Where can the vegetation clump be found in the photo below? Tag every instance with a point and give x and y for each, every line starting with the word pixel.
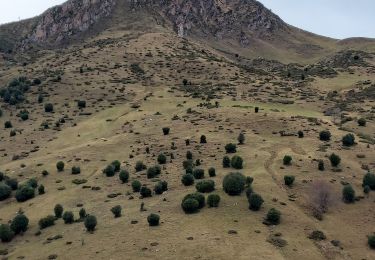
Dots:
pixel 153 220
pixel 234 183
pixel 213 200
pixel 205 186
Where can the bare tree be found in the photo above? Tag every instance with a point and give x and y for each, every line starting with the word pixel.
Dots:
pixel 321 198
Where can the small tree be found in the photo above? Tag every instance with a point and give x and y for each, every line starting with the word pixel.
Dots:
pixel 116 210
pixel 189 155
pixel 81 104
pixel 140 166
pixel 300 134
pixel 145 192
pixel 321 198
pixel 82 213
pixel 60 166
pixel 8 124
pixel 166 130
pixel 68 217
pixel 41 190
pixel 234 183
pixel 6 234
pixel 198 174
pixel 348 194
pixel 46 222
pixel 19 224
pixel 371 241
pixel 162 159
pixel 205 186
pixel 237 162
pixel 369 180
pixel 231 148
pixel 226 162
pixel 90 223
pixel 213 200
pixel 24 193
pixel 153 220
pixel 273 216
pixel 190 205
pixel 325 135
pixel 136 185
pixel 334 159
pixel 203 139
pixel 255 201
pixel 76 170
pixel 109 171
pixel 5 191
pixel 321 165
pixel 289 180
pixel 241 138
pixel 58 210
pixel 348 140
pixel 362 122
pixel 116 165
pixel 212 172
pixel 124 176
pixel 187 179
pixel 48 108
pixel 287 160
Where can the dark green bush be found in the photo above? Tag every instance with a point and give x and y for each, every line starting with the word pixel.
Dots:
pixel 348 194
pixel 68 217
pixel 76 170
pixel 116 165
pixel 369 180
pixel 90 223
pixel 205 186
pixel 348 140
pixel 300 134
pixel 145 192
pixel 48 108
pixel 237 162
pixel 154 171
pixel 371 241
pixel 198 174
pixel 234 183
pixel 162 159
pixel 325 135
pixel 46 222
pixel 248 192
pixel 5 191
pixel 289 180
pixel 249 180
pixel 287 160
pixel 6 234
pixel 60 166
pixel 139 166
pixel 153 220
pixel 362 122
pixel 273 216
pixel 334 159
pixel 19 224
pixel 241 138
pixel 12 183
pixel 41 190
pixel 136 185
pixel 226 162
pixel 33 183
pixel 213 200
pixel 124 176
pixel 187 179
pixel 8 124
pixel 58 209
pixel 81 104
pixel 160 187
pixel 188 164
pixel 82 213
pixel 203 139
pixel 190 205
pixel 321 165
pixel 231 148
pixel 255 201
pixel 24 193
pixel 366 189
pixel 212 172
pixel 166 130
pixel 189 155
pixel 116 210
pixel 198 197
pixel 109 171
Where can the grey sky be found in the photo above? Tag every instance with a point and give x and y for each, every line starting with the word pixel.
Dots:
pixel 334 18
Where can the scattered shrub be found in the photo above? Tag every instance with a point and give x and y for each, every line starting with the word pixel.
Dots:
pixel 190 205
pixel 6 234
pixel 325 135
pixel 249 180
pixel 24 193
pixel 8 124
pixel 205 186
pixel 12 183
pixel 212 172
pixel 153 220
pixel 273 216
pixel 76 170
pixel 58 210
pixel 136 186
pixel 198 197
pixel 162 159
pixel 317 235
pixel 234 183
pixel 187 179
pixel 116 210
pixel 203 139
pixel 33 183
pixel 140 166
pixel 152 172
pixel 82 213
pixel 166 130
pixel 116 165
pixel 287 160
pixel 48 108
pixel 60 166
pixel 160 187
pixel 231 148
pixel 237 162
pixel 321 165
pixel 5 191
pixel 289 180
pixel 300 134
pixel 47 222
pixel 241 138
pixel 198 174
pixel 348 194
pixel 362 122
pixel 371 241
pixel 81 104
pixel 366 189
pixel 109 171
pixel 41 190
pixel 334 159
pixel 255 201
pixel 124 176
pixel 68 217
pixel 145 192
pixel 90 223
pixel 189 155
pixel 348 140
pixel 19 224
pixel 213 200
pixel 369 180
pixel 248 192
pixel 226 162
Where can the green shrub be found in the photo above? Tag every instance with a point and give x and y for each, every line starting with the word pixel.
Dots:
pixel 190 206
pixel 213 200
pixel 236 162
pixel 231 148
pixel 362 122
pixel 41 190
pixel 48 108
pixel 321 165
pixel 325 135
pixel 145 192
pixel 205 186
pixel 58 209
pixel 248 192
pixel 116 210
pixel 255 201
pixel 153 220
pixel 116 165
pixel 8 124
pixel 82 213
pixel 273 216
pixel 2 176
pixel 366 189
pixel 348 140
pixel 160 187
pixel 81 104
pixel 24 193
pixel 136 186
pixel 369 180
pixel 154 171
pixel 234 183
pixel 188 164
pixel 76 170
pixel 203 139
pixel 162 159
pixel 348 194
pixel 6 234
pixel 12 183
pixel 189 155
pixel 300 134
pixel 334 159
pixel 139 166
pixel 109 171
pixel 5 191
pixel 124 176
pixel 289 180
pixel 198 174
pixel 68 217
pixel 60 166
pixel 90 223
pixel 187 179
pixel 249 180
pixel 212 172
pixel 287 160
pixel 198 197
pixel 166 130
pixel 46 222
pixel 226 162
pixel 241 138
pixel 371 241
pixel 33 183
pixel 19 224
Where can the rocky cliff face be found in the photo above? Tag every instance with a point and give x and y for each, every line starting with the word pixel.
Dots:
pixel 74 16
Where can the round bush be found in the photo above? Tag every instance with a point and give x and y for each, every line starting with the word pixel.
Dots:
pixel 58 210
pixel 190 206
pixel 12 183
pixel 6 234
pixel 109 171
pixel 236 162
pixel 300 134
pixel 371 241
pixel 189 155
pixel 33 183
pixel 334 159
pixel 348 140
pixel 153 220
pixel 187 179
pixel 41 190
pixel 248 192
pixel 362 122
pixel 325 135
pixel 273 216
pixel 249 180
pixel 116 165
pixel 136 186
pixel 226 162
pixel 321 165
pixel 90 223
pixel 212 172
pixel 205 186
pixel 76 170
pixel 162 159
pixel 287 160
pixel 289 180
pixel 198 197
pixel 145 192
pixel 154 171
pixel 213 200
pixel 60 166
pixel 139 166
pixel 255 202
pixel 231 148
pixel 68 217
pixel 81 104
pixel 348 194
pixel 369 180
pixel 124 176
pixel 241 138
pixel 5 191
pixel 203 139
pixel 234 183
pixel 198 174
pixel 24 193
pixel 19 224
pixel 82 213
pixel 116 210
pixel 48 108
pixel 8 124
pixel 166 130
pixel 46 222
